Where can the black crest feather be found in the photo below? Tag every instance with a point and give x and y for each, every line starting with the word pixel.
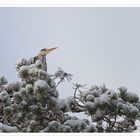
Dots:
pixel 43 49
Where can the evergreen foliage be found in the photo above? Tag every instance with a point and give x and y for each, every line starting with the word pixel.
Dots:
pixel 33 104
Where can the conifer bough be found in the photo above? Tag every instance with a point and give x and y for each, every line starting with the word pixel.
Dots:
pixel 33 104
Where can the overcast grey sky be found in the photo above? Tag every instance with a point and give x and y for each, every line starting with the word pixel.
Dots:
pixel 96 45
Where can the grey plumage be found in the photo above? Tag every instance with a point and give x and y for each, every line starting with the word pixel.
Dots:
pixel 33 60
pixel 43 60
pixel 42 57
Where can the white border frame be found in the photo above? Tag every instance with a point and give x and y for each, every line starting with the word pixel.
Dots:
pixel 70 3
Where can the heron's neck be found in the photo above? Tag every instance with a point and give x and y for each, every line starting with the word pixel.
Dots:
pixel 43 60
pixel 41 57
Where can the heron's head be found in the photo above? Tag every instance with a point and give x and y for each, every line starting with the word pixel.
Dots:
pixel 45 51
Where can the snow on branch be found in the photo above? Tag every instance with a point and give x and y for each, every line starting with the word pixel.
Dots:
pixel 33 104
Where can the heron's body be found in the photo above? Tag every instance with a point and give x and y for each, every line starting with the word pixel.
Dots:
pixel 42 57
pixel 43 60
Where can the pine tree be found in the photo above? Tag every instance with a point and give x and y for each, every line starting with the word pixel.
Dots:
pixel 33 104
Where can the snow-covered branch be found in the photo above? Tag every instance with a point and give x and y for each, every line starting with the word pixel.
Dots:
pixel 33 104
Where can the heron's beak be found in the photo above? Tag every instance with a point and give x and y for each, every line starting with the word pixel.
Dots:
pixel 49 50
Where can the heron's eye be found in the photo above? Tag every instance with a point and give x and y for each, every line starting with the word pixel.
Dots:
pixel 43 50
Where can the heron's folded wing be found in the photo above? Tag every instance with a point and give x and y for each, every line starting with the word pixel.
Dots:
pixel 33 60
